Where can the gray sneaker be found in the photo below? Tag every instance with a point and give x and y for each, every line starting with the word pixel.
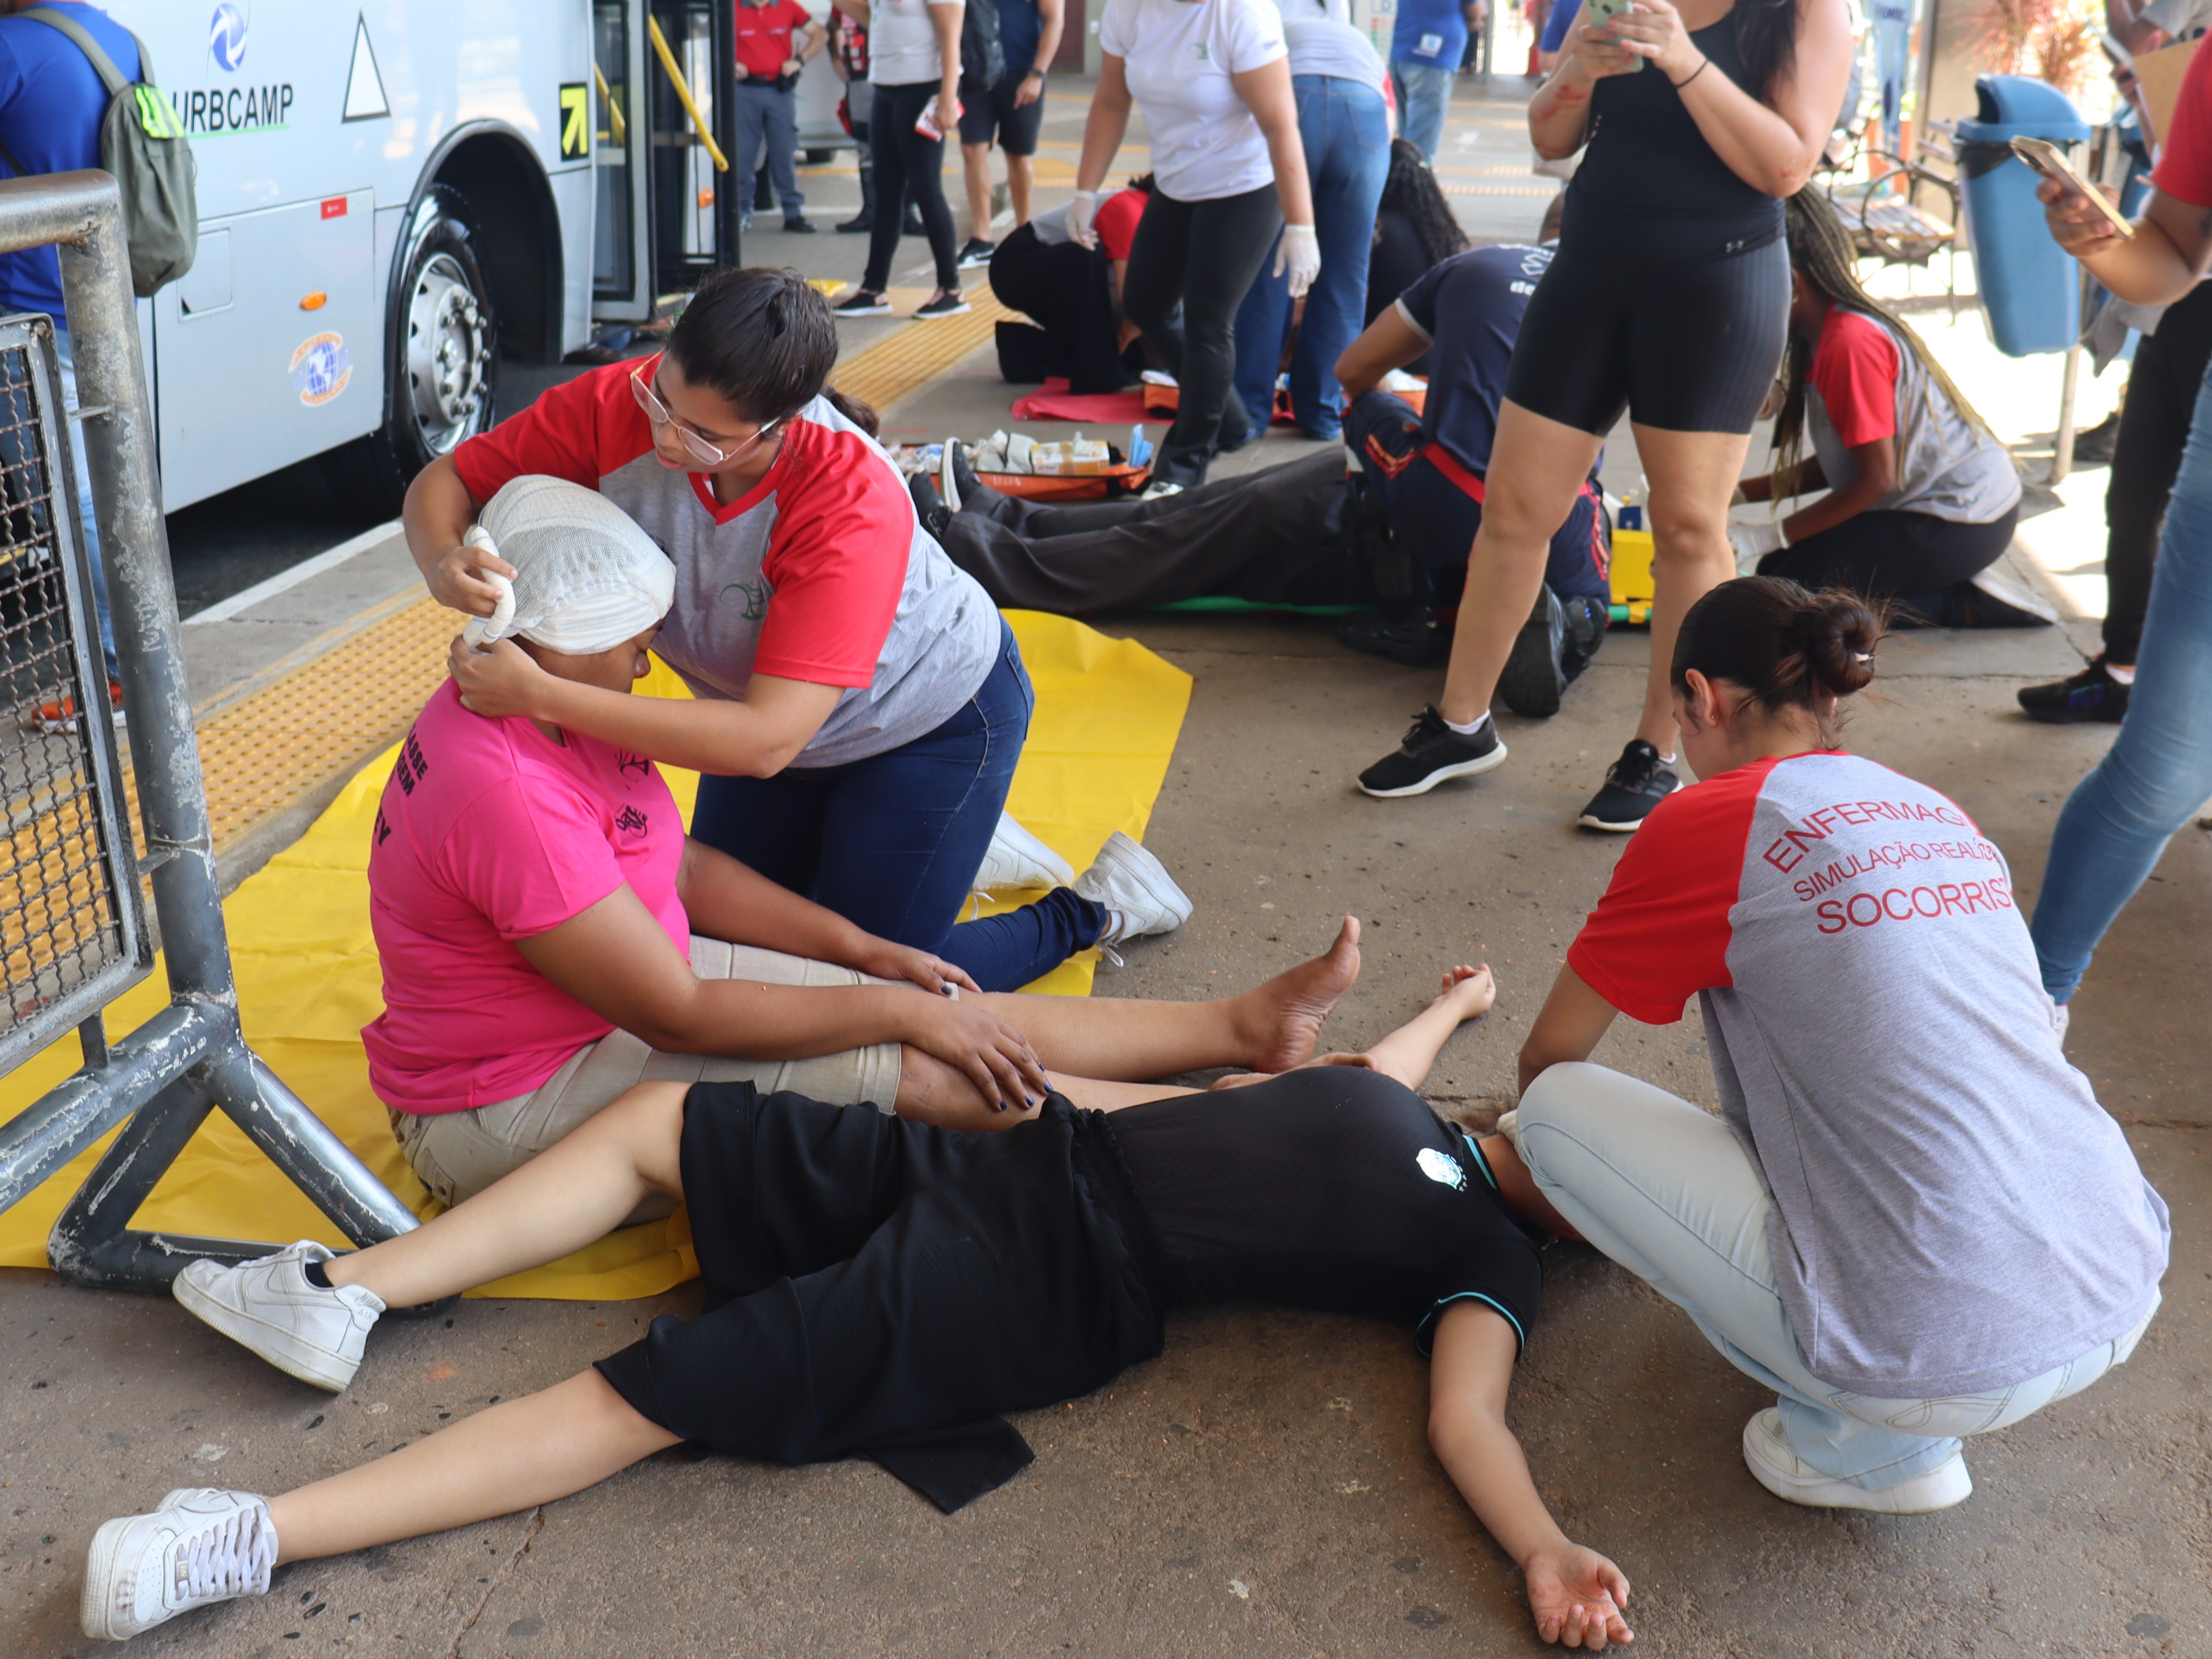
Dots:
pixel 271 1307
pixel 1141 898
pixel 203 1545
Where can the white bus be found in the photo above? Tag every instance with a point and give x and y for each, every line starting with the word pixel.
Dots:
pixel 395 194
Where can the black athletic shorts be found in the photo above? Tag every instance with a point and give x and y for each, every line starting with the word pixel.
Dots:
pixel 884 1288
pixel 1689 344
pixel 985 110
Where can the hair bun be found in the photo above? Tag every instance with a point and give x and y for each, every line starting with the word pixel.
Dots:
pixel 1837 633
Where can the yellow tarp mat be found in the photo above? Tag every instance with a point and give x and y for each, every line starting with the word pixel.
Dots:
pixel 1108 712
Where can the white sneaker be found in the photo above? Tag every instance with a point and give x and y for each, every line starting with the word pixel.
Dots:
pixel 269 1306
pixel 1017 859
pixel 203 1545
pixel 948 487
pixel 1161 491
pixel 1775 1466
pixel 1136 889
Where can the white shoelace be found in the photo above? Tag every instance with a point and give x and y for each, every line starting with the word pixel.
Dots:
pixel 231 1557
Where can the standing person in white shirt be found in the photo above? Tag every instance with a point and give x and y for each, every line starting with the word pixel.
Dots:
pixel 1214 79
pixel 914 64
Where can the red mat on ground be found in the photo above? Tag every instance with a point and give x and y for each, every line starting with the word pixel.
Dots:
pixel 1056 403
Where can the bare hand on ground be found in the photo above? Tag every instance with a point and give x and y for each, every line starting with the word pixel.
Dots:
pixel 1576 1595
pixel 1471 991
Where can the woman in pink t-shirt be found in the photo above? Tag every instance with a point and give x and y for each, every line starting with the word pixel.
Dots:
pixel 549 936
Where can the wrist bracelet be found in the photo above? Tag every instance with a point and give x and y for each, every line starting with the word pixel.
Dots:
pixel 1703 65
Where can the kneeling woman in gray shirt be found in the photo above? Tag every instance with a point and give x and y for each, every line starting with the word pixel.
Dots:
pixel 1912 1220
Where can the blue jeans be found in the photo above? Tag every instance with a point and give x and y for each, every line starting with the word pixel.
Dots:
pixel 892 843
pixel 1666 1190
pixel 1347 130
pixel 764 113
pixel 1424 96
pixel 2159 771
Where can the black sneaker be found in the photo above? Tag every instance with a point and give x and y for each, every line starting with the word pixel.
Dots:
pixel 858 224
pixel 1432 753
pixel 1536 673
pixel 977 252
pixel 1414 638
pixel 2094 447
pixel 2089 696
pixel 862 303
pixel 944 305
pixel 800 226
pixel 1640 781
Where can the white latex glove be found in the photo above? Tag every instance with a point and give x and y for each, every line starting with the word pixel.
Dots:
pixel 1753 542
pixel 1299 253
pixel 1080 212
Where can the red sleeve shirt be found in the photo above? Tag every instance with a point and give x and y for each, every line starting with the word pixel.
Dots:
pixel 1660 935
pixel 1117 222
pixel 763 35
pixel 1855 370
pixel 839 525
pixel 2184 159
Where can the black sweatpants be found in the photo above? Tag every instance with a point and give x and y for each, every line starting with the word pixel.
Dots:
pixel 1278 537
pixel 1205 254
pixel 885 1288
pixel 1914 557
pixel 911 167
pixel 2162 387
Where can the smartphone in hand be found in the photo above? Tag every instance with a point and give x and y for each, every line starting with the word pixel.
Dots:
pixel 2053 163
pixel 1596 14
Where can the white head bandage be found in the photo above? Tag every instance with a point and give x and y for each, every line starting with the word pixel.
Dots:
pixel 587 578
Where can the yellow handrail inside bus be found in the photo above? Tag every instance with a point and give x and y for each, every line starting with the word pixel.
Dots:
pixel 617 128
pixel 683 93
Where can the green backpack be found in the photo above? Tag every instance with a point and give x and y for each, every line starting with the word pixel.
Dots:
pixel 142 144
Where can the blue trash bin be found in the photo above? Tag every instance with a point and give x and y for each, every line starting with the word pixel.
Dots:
pixel 2030 287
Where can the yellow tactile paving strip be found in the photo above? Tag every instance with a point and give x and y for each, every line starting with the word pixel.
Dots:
pixel 901 364
pixel 268 750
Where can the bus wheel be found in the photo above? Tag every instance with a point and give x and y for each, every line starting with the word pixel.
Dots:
pixel 441 363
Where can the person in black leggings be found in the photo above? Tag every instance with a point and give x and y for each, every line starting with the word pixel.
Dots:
pixel 1667 300
pixel 1922 497
pixel 880 1289
pixel 1229 186
pixel 2162 387
pixel 914 65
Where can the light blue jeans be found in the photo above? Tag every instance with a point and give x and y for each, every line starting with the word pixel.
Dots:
pixel 2159 771
pixel 1666 1190
pixel 1424 96
pixel 1347 131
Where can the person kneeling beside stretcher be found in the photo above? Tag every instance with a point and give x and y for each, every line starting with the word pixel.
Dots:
pixel 549 936
pixel 887 1289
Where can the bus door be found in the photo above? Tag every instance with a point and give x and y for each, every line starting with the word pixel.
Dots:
pixel 695 200
pixel 622 63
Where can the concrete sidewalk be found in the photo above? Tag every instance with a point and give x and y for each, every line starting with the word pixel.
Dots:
pixel 1265 1489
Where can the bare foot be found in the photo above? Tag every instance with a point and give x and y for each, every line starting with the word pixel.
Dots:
pixel 1467 992
pixel 1282 1019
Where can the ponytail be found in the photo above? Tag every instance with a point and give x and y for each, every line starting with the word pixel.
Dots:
pixel 1782 646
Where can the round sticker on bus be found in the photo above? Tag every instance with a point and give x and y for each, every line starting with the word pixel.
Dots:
pixel 320 368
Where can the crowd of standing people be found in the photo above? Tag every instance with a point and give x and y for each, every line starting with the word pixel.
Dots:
pixel 919 1200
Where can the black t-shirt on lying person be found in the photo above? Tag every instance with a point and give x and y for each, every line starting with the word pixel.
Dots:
pixel 1333 1188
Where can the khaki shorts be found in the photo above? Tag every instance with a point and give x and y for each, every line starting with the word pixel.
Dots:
pixel 458 1154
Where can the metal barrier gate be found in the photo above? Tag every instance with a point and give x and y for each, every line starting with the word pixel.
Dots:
pixel 73 934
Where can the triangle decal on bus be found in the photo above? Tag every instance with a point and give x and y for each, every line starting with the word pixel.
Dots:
pixel 364 98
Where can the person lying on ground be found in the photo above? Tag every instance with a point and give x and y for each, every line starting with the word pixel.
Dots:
pixel 549 936
pixel 1429 469
pixel 857 706
pixel 887 1289
pixel 1922 497
pixel 1912 1221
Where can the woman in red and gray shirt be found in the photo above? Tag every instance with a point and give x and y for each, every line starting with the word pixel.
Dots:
pixel 861 705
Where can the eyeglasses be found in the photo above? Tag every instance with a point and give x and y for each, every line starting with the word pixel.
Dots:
pixel 692 444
